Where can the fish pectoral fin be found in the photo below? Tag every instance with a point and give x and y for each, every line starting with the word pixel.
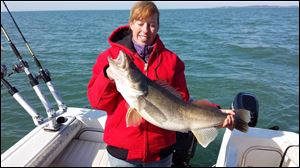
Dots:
pixel 133 118
pixel 151 110
pixel 205 136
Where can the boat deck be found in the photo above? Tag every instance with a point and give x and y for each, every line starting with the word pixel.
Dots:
pixel 82 153
pixel 86 149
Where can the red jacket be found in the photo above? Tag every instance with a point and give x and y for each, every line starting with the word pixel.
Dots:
pixel 145 141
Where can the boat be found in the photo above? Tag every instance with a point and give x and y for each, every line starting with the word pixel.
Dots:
pixel 259 148
pixel 79 143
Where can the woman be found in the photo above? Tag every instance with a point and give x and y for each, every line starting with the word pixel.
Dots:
pixel 146 144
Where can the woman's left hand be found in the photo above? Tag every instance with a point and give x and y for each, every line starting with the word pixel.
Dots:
pixel 229 121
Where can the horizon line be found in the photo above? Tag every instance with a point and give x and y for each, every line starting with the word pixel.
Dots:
pixel 247 6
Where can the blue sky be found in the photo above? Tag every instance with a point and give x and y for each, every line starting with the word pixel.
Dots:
pixel 107 5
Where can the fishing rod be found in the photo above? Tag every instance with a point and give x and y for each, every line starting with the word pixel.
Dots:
pixel 44 74
pixel 34 83
pixel 36 117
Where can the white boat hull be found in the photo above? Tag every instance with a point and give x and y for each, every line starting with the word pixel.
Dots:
pixel 259 148
pixel 78 142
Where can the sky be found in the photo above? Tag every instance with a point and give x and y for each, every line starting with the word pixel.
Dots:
pixel 111 5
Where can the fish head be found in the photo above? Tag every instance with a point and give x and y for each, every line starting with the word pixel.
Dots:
pixel 126 72
pixel 120 64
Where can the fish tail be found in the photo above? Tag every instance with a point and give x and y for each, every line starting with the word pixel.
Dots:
pixel 242 118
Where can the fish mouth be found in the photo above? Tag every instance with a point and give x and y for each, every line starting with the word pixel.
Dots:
pixel 120 61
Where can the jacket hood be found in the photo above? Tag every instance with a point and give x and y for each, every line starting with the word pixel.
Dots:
pixel 122 37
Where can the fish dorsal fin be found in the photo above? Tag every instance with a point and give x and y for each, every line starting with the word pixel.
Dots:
pixel 167 86
pixel 205 136
pixel 202 103
pixel 133 118
pixel 205 104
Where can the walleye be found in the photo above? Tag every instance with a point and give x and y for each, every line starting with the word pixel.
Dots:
pixel 162 106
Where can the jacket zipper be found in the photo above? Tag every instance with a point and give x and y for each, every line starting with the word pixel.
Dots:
pixel 145 64
pixel 146 69
pixel 146 142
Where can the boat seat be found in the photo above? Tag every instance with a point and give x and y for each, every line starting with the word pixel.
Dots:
pixel 291 154
pixel 87 149
pixel 82 153
pixel 254 157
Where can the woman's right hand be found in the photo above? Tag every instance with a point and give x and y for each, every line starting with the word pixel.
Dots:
pixel 109 73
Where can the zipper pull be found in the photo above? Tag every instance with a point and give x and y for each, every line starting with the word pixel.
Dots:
pixel 146 68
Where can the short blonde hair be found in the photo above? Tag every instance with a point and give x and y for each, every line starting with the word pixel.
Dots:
pixel 142 10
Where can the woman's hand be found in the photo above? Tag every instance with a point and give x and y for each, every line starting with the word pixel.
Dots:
pixel 109 73
pixel 229 121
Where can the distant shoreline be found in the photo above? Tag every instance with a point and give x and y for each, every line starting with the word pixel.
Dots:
pixel 223 7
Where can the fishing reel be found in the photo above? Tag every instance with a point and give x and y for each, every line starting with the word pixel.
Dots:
pixel 18 68
pixel 43 74
pixel 3 71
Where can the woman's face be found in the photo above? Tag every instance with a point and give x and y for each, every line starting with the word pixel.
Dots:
pixel 144 32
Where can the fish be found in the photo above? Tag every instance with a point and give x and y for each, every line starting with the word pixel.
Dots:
pixel 161 105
